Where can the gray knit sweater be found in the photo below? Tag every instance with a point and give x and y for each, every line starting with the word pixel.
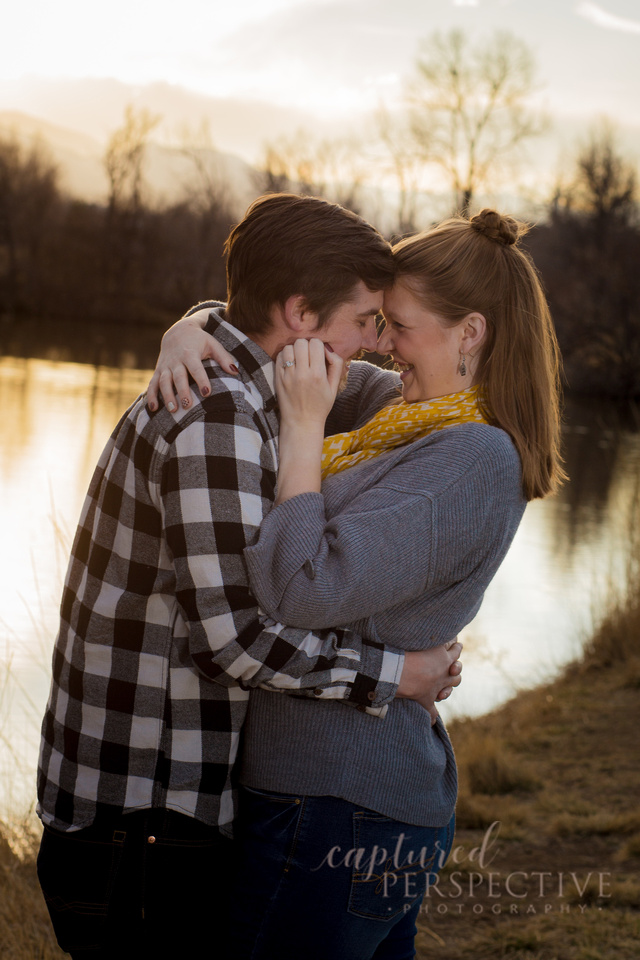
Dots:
pixel 402 549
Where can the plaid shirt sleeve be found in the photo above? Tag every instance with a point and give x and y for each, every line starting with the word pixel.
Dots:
pixel 216 486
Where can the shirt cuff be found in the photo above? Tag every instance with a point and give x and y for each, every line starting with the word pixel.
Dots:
pixel 376 682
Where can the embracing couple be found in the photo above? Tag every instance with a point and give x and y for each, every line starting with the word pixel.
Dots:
pixel 241 755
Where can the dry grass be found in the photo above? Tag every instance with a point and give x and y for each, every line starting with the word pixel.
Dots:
pixel 557 773
pixel 600 823
pixel 545 862
pixel 25 929
pixel 490 769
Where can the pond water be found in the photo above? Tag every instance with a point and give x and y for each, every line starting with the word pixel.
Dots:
pixel 568 558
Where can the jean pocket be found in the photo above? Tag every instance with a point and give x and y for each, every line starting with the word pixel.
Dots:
pixel 269 822
pixel 77 877
pixel 393 864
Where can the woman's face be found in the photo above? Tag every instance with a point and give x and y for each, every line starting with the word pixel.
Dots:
pixel 426 351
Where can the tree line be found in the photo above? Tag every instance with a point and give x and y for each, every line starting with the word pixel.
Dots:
pixel 465 114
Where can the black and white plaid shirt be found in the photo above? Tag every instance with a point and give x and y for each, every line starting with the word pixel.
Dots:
pixel 160 639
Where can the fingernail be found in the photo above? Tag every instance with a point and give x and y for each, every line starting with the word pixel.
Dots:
pixel 152 406
pixel 171 407
pixel 185 402
pixel 329 348
pixel 205 391
pixel 234 369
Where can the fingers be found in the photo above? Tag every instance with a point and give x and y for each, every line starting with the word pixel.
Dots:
pixel 166 381
pixel 454 650
pixel 152 391
pixel 222 357
pixel 301 359
pixel 444 694
pixel 184 346
pixel 335 366
pixel 455 669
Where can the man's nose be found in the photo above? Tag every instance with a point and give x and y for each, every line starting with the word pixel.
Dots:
pixel 370 336
pixel 385 343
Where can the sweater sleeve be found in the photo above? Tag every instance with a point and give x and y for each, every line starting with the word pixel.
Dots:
pixel 419 528
pixel 215 487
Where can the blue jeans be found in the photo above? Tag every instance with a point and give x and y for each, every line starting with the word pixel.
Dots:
pixel 323 879
pixel 148 884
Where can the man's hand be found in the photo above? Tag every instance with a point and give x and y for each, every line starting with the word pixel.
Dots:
pixel 430 675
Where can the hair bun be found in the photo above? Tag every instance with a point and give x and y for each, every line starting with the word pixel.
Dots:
pixel 503 230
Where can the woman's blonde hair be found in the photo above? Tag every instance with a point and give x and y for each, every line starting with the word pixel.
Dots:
pixel 465 266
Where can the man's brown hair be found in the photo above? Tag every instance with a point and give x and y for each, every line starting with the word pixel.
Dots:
pixel 288 245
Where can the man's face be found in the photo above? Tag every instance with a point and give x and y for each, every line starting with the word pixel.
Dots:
pixel 351 328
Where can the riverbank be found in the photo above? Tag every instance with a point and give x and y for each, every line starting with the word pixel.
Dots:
pixel 548 837
pixel 547 849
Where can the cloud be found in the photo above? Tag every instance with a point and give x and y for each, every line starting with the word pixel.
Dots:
pixel 601 18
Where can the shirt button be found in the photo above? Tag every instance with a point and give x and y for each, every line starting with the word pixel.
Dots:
pixel 309 569
pixel 318 692
pixel 371 695
pixel 151 839
pixel 361 707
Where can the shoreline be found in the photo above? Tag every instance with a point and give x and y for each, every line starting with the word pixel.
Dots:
pixel 548 825
pixel 546 857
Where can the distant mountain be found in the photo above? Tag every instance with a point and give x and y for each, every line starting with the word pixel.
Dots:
pixel 169 173
pixel 96 107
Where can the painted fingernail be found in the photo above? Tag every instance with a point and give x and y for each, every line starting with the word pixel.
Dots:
pixel 233 368
pixel 152 406
pixel 205 391
pixel 171 407
pixel 329 348
pixel 185 402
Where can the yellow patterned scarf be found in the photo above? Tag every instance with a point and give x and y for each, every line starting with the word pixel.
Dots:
pixel 397 425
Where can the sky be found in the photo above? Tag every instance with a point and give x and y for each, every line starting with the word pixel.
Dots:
pixel 320 61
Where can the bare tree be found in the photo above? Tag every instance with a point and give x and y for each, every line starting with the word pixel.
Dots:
pixel 207 188
pixel 603 187
pixel 210 200
pixel 124 165
pixel 124 159
pixel 469 107
pixel 589 256
pixel 403 162
pixel 333 169
pixel 28 195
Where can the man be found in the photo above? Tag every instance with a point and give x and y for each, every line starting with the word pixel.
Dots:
pixel 160 640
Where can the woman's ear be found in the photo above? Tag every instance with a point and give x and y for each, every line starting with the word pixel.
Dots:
pixel 474 328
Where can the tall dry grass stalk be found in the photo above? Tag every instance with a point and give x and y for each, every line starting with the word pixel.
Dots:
pixel 616 641
pixel 25 928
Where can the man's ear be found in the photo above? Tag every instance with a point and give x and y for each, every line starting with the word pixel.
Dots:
pixel 473 329
pixel 297 315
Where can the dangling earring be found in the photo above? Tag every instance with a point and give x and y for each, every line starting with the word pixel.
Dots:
pixel 463 366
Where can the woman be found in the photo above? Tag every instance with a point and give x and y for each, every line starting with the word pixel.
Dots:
pixel 343 817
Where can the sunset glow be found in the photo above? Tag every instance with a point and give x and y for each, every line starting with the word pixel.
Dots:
pixel 320 56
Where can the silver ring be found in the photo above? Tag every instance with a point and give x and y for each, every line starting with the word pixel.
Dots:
pixel 288 363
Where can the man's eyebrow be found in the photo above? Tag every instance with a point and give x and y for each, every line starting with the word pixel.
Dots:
pixel 374 312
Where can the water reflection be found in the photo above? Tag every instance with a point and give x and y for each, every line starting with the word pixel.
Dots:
pixel 538 612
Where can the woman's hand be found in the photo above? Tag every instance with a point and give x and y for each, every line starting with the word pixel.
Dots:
pixel 430 675
pixel 307 379
pixel 184 346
